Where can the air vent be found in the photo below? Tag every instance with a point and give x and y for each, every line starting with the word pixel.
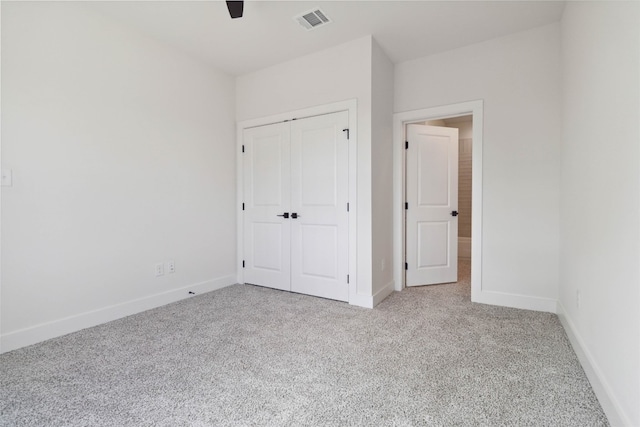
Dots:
pixel 312 19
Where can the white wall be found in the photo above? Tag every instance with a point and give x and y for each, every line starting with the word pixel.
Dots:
pixel 382 171
pixel 122 151
pixel 337 74
pixel 600 208
pixel 518 77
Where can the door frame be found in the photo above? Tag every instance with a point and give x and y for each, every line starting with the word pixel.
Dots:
pixel 351 107
pixel 400 120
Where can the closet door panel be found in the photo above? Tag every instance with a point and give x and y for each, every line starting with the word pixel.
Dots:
pixel 267 234
pixel 319 195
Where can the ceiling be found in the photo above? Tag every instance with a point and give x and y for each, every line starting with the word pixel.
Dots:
pixel 268 34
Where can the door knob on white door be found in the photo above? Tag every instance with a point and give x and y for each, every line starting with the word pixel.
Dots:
pixel 285 215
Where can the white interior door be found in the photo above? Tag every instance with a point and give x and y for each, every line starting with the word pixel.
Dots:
pixel 267 232
pixel 432 204
pixel 296 230
pixel 319 196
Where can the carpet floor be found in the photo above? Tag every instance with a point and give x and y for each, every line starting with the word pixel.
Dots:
pixel 251 356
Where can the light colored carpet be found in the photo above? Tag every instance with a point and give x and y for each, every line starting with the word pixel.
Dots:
pixel 246 355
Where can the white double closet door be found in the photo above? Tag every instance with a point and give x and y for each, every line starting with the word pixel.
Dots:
pixel 295 206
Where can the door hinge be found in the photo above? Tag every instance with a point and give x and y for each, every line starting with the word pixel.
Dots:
pixel 347 131
pixel 243 148
pixel 347 207
pixel 347 278
pixel 406 266
pixel 242 263
pixel 406 145
pixel 406 205
pixel 243 206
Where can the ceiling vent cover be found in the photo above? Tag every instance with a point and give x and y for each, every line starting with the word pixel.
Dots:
pixel 312 19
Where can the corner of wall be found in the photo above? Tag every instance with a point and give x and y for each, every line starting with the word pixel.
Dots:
pixel 381 171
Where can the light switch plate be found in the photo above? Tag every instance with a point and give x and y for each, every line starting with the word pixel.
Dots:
pixel 7 177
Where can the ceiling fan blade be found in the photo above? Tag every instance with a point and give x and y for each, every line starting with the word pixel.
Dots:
pixel 235 8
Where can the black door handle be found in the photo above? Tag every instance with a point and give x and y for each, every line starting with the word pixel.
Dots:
pixel 294 215
pixel 285 215
pixel 454 213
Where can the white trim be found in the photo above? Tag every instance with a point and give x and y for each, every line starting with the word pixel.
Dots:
pixel 383 293
pixel 67 325
pixel 611 406
pixel 524 302
pixel 350 106
pixel 474 108
pixel 370 301
pixel 239 202
pixel 317 110
pixel 360 300
pixel 1 339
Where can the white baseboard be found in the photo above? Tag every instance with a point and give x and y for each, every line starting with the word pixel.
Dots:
pixel 56 328
pixel 370 301
pixel 515 301
pixel 379 296
pixel 359 300
pixel 614 411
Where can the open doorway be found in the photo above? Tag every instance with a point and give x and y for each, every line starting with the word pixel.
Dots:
pixel 466 118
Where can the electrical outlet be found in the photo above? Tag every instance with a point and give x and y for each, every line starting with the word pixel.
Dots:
pixel 382 264
pixel 578 302
pixel 171 266
pixel 159 269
